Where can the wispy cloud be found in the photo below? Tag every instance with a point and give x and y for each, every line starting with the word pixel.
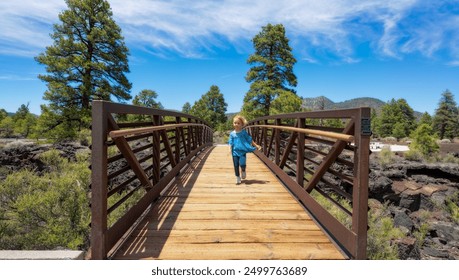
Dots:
pixel 16 78
pixel 317 29
pixel 25 25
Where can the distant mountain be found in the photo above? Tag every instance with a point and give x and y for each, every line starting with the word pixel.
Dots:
pixel 323 103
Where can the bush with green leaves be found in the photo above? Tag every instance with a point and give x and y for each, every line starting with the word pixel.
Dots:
pixel 414 155
pixel 448 158
pixel 381 236
pixel 424 140
pixel 46 211
pixel 452 206
pixel 334 210
pixel 386 156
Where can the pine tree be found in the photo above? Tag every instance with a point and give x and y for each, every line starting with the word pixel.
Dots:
pixel 286 102
pixel 87 61
pixel 272 72
pixel 396 119
pixel 147 98
pixel 211 107
pixel 24 121
pixel 426 118
pixel 3 114
pixel 186 108
pixel 446 118
pixel 424 140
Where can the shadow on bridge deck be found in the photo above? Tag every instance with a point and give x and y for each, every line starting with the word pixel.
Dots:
pixel 204 215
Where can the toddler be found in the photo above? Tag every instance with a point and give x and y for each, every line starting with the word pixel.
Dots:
pixel 240 143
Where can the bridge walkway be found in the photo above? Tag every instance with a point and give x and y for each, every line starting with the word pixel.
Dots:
pixel 203 214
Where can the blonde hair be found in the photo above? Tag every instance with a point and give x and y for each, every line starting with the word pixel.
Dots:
pixel 241 119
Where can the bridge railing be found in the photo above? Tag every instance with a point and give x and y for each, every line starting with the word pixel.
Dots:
pixel 136 153
pixel 323 158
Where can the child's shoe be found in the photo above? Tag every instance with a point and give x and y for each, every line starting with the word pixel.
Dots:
pixel 244 175
pixel 238 180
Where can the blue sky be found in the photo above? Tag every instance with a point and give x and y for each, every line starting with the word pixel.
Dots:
pixel 179 48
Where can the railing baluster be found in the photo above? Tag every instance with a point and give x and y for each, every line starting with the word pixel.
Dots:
pixel 277 151
pixel 156 151
pixel 300 154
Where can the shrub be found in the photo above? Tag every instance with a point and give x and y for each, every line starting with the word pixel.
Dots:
pixel 452 206
pixel 48 211
pixel 421 233
pixel 84 137
pixel 386 156
pixel 381 235
pixel 414 155
pixel 449 158
pixel 54 160
pixel 334 210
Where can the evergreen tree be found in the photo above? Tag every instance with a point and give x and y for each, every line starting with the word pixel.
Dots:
pixel 7 127
pixel 424 140
pixel 3 114
pixel 446 119
pixel 24 121
pixel 286 102
pixel 147 98
pixel 87 61
pixel 272 72
pixel 22 112
pixel 426 118
pixel 374 123
pixel 186 108
pixel 396 119
pixel 211 107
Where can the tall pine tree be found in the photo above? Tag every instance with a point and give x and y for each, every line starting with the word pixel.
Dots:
pixel 446 118
pixel 396 119
pixel 87 61
pixel 272 72
pixel 211 107
pixel 147 98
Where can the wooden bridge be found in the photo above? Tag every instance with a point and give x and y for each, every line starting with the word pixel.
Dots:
pixel 161 189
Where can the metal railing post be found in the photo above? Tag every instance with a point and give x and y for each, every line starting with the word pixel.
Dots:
pixel 99 181
pixel 300 154
pixel 361 179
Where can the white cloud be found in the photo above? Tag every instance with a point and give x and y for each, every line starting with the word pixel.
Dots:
pixel 195 28
pixel 25 25
pixel 16 78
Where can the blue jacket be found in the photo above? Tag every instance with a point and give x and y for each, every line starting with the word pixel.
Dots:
pixel 241 143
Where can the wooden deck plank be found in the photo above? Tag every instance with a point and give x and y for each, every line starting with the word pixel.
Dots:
pixel 230 236
pixel 237 251
pixel 235 214
pixel 205 215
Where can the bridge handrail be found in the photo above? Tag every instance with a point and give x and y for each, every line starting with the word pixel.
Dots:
pixel 155 147
pixel 328 134
pixel 137 131
pixel 336 170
